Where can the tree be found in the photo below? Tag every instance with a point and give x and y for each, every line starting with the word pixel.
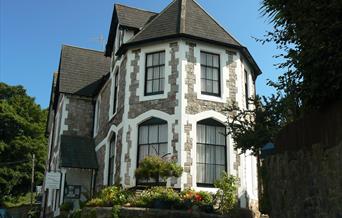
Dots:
pixel 22 126
pixel 310 34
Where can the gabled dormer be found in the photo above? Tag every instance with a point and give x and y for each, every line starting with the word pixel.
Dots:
pixel 126 22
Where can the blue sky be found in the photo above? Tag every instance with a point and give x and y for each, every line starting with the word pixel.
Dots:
pixel 32 32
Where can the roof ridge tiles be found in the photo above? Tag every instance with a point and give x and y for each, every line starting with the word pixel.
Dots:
pixel 82 48
pixel 140 9
pixel 152 21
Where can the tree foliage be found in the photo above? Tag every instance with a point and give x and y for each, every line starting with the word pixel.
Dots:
pixel 310 34
pixel 22 126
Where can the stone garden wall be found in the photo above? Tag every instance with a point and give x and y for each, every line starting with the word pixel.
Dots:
pixel 129 212
pixel 304 176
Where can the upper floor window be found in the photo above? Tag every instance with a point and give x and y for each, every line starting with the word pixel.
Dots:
pixel 155 73
pixel 115 91
pixel 211 151
pixel 111 161
pixel 210 74
pixel 97 115
pixel 246 89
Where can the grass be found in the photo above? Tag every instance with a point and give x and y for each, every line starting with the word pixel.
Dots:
pixel 18 201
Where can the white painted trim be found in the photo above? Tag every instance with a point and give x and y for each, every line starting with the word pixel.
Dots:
pixel 63 171
pixel 134 124
pixel 224 72
pixel 141 74
pixel 97 115
pixel 111 96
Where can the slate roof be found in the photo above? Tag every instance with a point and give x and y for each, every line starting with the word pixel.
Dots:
pixel 78 152
pixel 128 17
pixel 184 17
pixel 133 17
pixel 81 70
pixel 181 18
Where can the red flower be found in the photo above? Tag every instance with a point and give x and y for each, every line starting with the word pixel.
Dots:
pixel 198 197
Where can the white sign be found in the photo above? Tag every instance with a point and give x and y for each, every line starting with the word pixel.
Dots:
pixel 52 180
pixel 39 189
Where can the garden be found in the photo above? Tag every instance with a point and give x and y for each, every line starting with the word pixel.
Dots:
pixel 223 202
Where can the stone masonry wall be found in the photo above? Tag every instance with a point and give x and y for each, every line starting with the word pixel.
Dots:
pixel 195 105
pixel 79 109
pixel 118 153
pixel 138 107
pixel 166 105
pixel 305 183
pixel 106 101
pixel 100 155
pixel 104 113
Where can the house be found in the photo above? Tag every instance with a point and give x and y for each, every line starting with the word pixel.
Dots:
pixel 158 89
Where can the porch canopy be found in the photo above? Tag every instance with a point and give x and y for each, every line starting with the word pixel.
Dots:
pixel 78 152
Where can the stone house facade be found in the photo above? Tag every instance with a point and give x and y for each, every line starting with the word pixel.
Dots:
pixel 164 82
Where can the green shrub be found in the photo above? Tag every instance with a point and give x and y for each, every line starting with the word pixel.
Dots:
pixel 95 202
pixel 76 214
pixel 67 206
pixel 155 167
pixel 226 196
pixel 157 197
pixel 114 195
pixel 116 211
pixel 109 197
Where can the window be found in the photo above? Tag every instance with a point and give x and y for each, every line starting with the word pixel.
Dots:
pixel 97 115
pixel 155 73
pixel 152 138
pixel 115 98
pixel 246 89
pixel 210 74
pixel 111 161
pixel 211 151
pixel 152 141
pixel 121 37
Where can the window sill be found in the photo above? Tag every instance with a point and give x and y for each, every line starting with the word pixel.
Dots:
pixel 215 98
pixel 205 185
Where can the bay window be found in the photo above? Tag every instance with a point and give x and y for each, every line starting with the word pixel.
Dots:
pixel 211 151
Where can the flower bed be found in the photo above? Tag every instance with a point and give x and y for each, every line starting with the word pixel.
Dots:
pixel 189 200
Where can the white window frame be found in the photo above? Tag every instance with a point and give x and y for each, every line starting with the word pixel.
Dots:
pixel 111 102
pixel 141 74
pixel 97 115
pixel 224 72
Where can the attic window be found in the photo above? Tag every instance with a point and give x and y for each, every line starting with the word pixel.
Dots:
pixel 155 73
pixel 210 74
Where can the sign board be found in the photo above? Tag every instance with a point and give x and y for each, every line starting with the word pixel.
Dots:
pixel 52 180
pixel 39 189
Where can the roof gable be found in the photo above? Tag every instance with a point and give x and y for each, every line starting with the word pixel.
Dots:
pixel 167 23
pixel 127 17
pixel 132 17
pixel 81 70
